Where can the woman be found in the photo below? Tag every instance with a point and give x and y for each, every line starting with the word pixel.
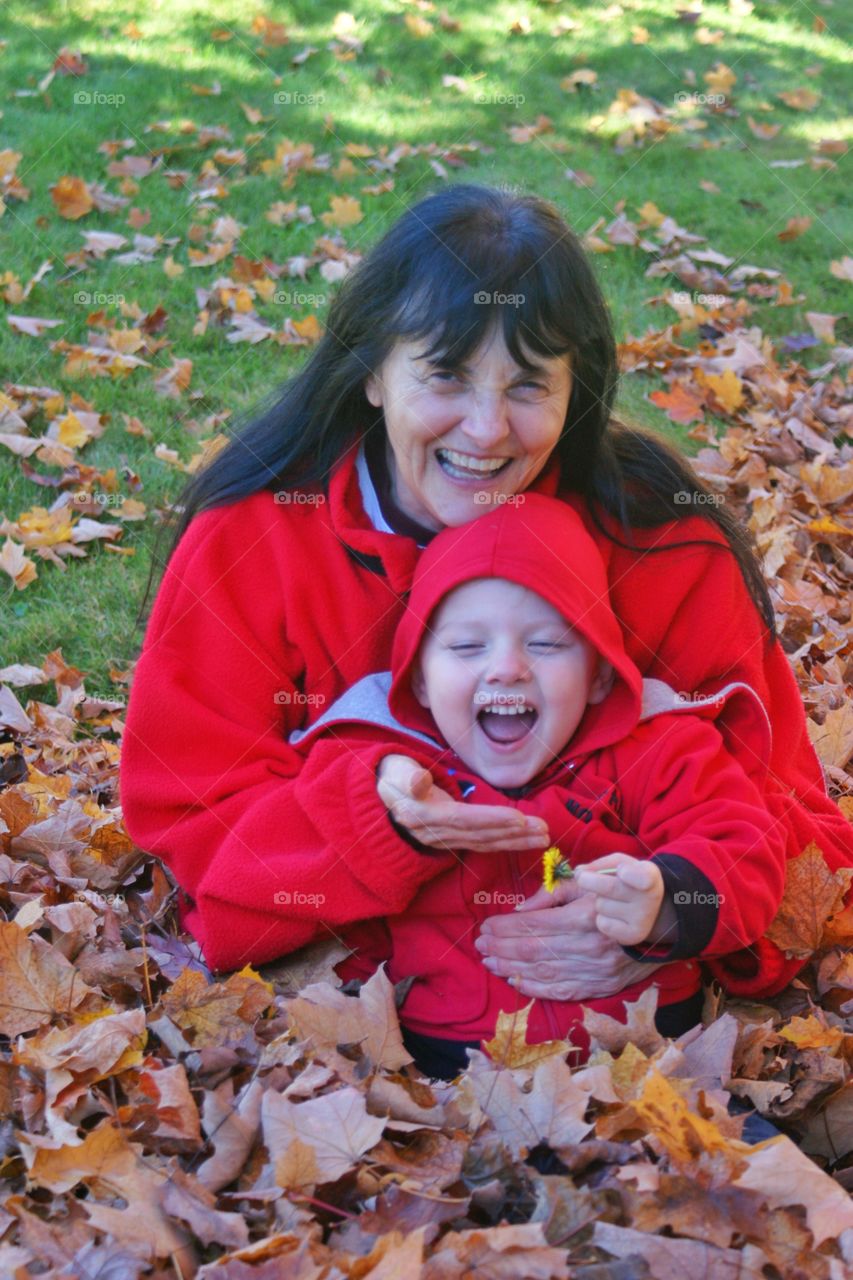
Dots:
pixel 468 358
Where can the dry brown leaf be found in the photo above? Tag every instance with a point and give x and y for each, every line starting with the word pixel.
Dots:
pixel 319 1140
pixel 72 197
pixel 681 404
pixel 813 893
pixel 551 1110
pixel 833 740
pixel 639 1030
pixel 37 983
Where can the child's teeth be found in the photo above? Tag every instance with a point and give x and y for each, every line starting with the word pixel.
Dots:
pixel 512 709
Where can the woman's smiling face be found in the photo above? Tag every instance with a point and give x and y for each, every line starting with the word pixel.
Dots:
pixel 462 440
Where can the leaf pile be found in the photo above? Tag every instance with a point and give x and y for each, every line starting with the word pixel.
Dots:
pixel 157 1122
pixel 273 1124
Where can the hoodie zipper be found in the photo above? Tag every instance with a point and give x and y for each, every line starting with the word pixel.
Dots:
pixel 545 1005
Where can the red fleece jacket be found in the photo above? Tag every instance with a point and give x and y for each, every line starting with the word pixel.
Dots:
pixel 665 789
pixel 269 610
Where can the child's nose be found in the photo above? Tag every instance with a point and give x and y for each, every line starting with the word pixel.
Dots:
pixel 508 665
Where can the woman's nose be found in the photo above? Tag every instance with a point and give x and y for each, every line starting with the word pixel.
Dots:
pixel 487 422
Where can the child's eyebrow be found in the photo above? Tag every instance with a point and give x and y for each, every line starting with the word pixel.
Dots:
pixel 454 625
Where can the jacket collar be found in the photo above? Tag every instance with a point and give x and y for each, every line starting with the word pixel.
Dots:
pixel 390 555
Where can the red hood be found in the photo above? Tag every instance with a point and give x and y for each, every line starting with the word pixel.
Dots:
pixel 525 543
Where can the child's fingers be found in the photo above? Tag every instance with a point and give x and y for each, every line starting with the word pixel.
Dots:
pixel 608 888
pixel 619 930
pixel 624 911
pixel 639 875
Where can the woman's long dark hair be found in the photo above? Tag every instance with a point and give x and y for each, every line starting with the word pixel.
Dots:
pixel 434 275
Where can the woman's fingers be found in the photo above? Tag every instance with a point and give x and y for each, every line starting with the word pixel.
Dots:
pixel 436 819
pixel 564 891
pixel 481 828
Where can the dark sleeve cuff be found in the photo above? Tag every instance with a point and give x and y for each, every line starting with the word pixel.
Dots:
pixel 405 834
pixel 697 908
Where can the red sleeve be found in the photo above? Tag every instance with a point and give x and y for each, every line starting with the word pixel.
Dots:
pixel 703 632
pixel 699 808
pixel 211 786
pixel 693 809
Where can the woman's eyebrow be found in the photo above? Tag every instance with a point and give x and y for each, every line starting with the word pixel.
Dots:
pixel 436 362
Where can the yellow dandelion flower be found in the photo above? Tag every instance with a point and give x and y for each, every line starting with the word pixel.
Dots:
pixel 554 867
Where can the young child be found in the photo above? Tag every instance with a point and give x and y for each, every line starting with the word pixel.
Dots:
pixel 510 684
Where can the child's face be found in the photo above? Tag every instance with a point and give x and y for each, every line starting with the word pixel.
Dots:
pixel 506 679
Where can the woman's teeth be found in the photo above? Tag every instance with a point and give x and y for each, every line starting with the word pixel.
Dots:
pixel 465 464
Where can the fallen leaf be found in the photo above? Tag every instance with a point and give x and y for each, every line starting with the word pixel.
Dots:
pixel 319 1140
pixel 794 228
pixel 813 893
pixel 72 197
pixel 800 99
pixel 681 404
pixel 345 212
pixel 37 983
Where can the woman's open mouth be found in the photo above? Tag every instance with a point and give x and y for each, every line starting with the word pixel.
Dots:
pixel 506 726
pixel 466 466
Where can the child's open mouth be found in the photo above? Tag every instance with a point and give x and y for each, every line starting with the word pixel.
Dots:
pixel 506 725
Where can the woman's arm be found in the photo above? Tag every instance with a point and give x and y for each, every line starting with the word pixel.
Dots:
pixel 709 833
pixel 704 632
pixel 211 785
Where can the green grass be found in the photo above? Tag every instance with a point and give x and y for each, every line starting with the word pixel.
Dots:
pixel 392 92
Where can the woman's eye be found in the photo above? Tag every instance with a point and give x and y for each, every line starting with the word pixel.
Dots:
pixel 446 376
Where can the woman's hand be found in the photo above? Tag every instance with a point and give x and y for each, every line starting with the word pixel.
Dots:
pixel 434 818
pixel 551 946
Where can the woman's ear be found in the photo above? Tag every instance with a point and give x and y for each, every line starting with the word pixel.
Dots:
pixel 371 390
pixel 602 682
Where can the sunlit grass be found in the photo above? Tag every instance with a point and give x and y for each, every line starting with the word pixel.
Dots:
pixel 392 92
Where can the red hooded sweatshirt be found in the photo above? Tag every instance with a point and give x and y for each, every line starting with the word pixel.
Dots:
pixel 645 776
pixel 269 610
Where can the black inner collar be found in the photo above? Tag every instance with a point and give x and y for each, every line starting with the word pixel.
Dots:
pixel 377 464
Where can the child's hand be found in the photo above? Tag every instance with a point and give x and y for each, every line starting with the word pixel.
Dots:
pixel 628 903
pixel 434 818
